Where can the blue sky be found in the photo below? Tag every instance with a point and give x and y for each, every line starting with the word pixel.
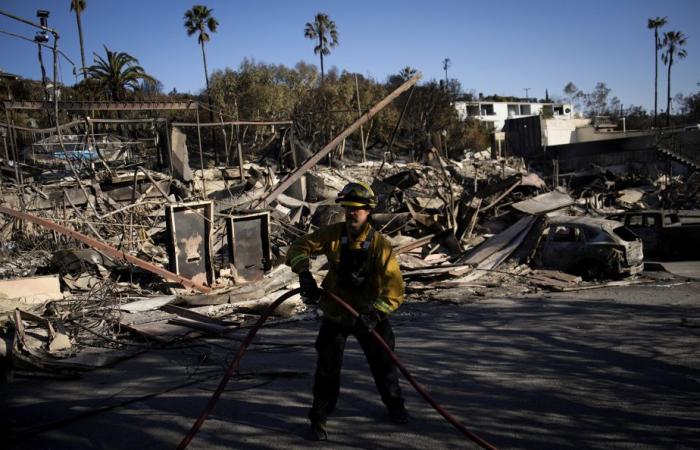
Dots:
pixel 495 46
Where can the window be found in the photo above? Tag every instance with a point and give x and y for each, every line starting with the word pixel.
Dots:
pixel 525 110
pixel 513 110
pixel 651 221
pixel 670 219
pixel 558 110
pixel 636 221
pixel 595 234
pixel 487 109
pixel 472 110
pixel 626 234
pixel 565 233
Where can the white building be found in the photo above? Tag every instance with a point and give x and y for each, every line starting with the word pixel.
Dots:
pixel 496 113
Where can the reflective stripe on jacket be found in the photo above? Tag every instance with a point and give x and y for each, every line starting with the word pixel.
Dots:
pixel 383 288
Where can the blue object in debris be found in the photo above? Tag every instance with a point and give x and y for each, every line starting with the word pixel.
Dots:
pixel 77 155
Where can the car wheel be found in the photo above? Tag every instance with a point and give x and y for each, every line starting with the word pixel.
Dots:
pixel 592 270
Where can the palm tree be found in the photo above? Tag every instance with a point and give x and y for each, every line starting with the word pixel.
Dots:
pixel 655 24
pixel 79 6
pixel 199 20
pixel 672 43
pixel 322 28
pixel 407 73
pixel 118 73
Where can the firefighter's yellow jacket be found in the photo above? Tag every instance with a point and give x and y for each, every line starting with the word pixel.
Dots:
pixel 383 288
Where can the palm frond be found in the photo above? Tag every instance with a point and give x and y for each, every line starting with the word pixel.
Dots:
pixel 199 19
pixel 310 31
pixel 656 22
pixel 212 23
pixel 117 73
pixel 78 6
pixel 320 30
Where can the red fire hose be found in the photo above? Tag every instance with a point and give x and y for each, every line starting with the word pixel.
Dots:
pixel 249 338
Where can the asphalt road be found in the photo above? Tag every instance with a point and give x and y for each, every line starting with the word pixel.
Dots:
pixel 604 368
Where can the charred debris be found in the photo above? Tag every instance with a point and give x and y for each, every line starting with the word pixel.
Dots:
pixel 112 243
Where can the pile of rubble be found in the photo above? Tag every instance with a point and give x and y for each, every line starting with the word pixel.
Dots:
pixel 101 259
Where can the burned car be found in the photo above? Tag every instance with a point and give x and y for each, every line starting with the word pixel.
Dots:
pixel 665 234
pixel 591 247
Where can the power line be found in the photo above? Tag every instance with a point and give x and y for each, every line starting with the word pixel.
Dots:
pixel 19 36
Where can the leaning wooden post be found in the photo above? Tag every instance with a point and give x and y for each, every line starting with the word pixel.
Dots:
pixel 316 157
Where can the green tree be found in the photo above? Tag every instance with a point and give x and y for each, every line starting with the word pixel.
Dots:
pixel 573 96
pixel 118 73
pixel 692 103
pixel 673 48
pixel 79 6
pixel 322 29
pixel 655 24
pixel 597 101
pixel 570 90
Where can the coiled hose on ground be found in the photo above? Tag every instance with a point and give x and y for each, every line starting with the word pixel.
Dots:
pixel 249 338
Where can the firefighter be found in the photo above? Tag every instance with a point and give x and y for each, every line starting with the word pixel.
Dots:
pixel 364 272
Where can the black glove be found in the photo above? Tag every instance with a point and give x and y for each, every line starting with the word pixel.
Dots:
pixel 308 286
pixel 366 322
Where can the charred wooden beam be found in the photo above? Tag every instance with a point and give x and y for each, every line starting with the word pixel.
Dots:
pixel 103 106
pixel 316 157
pixel 106 249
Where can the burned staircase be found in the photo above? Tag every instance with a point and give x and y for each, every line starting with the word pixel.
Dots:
pixel 682 145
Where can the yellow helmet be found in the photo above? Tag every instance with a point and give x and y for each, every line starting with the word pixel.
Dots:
pixel 358 195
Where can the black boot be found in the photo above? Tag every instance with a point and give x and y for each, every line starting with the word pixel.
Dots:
pixel 317 431
pixel 399 415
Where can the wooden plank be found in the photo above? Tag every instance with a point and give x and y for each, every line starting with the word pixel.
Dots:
pixel 233 122
pixel 495 258
pixel 193 315
pixel 557 275
pixel 148 304
pixel 467 219
pixel 48 285
pixel 102 105
pixel 497 242
pixel 621 283
pixel 198 325
pixel 440 270
pixel 163 331
pixel 413 245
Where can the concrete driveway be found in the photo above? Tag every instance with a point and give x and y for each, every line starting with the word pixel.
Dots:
pixel 605 368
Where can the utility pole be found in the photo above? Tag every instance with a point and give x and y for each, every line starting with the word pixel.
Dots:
pixel 40 38
pixel 527 94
